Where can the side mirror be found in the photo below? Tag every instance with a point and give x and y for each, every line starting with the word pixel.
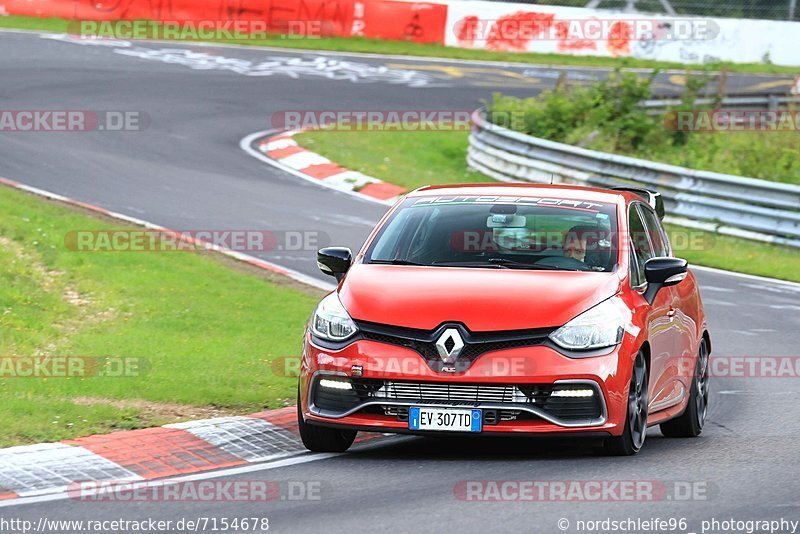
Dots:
pixel 663 272
pixel 334 261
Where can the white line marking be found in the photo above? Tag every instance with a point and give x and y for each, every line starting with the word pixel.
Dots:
pixel 715 302
pixel 746 276
pixel 707 287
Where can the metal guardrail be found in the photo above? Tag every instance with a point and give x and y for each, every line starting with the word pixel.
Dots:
pixel 734 205
pixel 755 101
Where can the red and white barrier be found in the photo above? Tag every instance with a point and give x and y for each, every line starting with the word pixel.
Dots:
pixel 481 25
pixel 478 24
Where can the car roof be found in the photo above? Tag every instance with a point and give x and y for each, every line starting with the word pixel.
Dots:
pixel 565 191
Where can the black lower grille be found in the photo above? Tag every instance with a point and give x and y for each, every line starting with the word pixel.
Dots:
pixel 393 398
pixel 567 408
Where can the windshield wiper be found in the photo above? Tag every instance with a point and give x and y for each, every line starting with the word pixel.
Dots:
pixel 397 261
pixel 481 264
pixel 511 264
pixel 501 263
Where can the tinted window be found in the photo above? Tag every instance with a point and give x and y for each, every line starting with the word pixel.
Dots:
pixel 656 232
pixel 642 250
pixel 496 232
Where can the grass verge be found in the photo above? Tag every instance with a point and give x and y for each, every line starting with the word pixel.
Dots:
pixel 413 159
pixel 407 48
pixel 407 159
pixel 199 330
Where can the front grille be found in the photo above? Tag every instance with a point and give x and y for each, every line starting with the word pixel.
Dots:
pixel 451 393
pixel 386 396
pixel 475 344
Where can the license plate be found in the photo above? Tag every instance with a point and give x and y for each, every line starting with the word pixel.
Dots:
pixel 444 419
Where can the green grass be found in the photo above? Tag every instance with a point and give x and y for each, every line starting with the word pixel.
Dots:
pixel 413 159
pixel 204 329
pixel 773 156
pixel 408 159
pixel 376 46
pixel 734 254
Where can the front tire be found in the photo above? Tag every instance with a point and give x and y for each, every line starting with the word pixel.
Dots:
pixel 635 431
pixel 320 438
pixel 690 423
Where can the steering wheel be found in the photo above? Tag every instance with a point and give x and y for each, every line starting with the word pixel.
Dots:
pixel 564 262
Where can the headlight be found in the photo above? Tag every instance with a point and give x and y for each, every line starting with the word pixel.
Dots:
pixel 331 321
pixel 601 326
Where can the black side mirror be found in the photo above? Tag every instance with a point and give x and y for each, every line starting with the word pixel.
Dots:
pixel 334 261
pixel 663 272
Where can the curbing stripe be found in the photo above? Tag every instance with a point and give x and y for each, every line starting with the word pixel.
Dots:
pixel 382 190
pixel 248 438
pixel 283 150
pixel 302 159
pixel 277 144
pixel 158 452
pixel 51 467
pixel 324 170
pixel 286 418
pixel 179 449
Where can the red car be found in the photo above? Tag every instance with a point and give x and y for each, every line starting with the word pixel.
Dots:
pixel 508 310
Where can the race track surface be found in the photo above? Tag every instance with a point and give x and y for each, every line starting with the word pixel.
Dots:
pixel 186 171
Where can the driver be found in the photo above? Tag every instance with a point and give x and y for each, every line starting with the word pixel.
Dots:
pixel 575 243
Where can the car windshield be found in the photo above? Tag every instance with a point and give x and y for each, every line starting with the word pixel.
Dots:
pixel 499 233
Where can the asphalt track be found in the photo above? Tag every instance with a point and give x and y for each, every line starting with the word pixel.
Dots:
pixel 186 171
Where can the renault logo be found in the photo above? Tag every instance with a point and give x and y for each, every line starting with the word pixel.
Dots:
pixel 450 345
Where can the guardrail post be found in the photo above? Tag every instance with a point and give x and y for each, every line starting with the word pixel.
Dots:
pixel 772 103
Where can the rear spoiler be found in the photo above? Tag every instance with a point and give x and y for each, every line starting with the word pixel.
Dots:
pixel 653 198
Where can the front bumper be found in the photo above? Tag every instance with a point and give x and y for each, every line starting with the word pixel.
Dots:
pixel 513 387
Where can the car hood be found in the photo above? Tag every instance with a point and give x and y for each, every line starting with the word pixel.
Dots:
pixel 481 299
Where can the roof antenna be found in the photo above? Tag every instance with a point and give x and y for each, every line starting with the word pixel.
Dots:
pixel 552 177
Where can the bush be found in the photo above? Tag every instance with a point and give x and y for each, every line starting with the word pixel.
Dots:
pixel 607 117
pixel 608 110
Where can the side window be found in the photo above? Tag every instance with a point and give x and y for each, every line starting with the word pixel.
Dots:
pixel 642 250
pixel 656 233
